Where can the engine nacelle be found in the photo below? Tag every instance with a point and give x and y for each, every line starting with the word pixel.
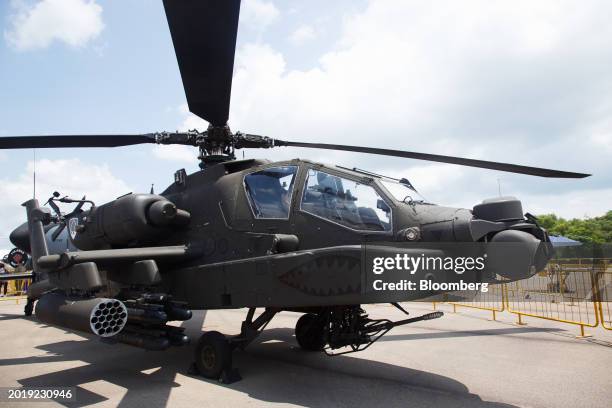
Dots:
pixel 134 219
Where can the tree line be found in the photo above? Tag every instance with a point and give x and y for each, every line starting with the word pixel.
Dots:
pixel 594 233
pixel 597 230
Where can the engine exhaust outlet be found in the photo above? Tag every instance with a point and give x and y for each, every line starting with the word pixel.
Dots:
pixel 100 316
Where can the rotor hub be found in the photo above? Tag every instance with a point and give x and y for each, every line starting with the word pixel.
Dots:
pixel 216 146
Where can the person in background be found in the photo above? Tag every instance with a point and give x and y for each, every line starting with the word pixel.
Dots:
pixel 3 284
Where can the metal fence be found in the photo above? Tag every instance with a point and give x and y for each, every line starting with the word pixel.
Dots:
pixel 558 293
pixel 16 290
pixel 574 291
pixel 492 300
pixel 604 292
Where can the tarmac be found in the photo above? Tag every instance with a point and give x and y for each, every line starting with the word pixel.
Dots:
pixel 460 360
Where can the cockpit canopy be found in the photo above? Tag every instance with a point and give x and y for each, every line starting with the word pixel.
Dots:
pixel 269 191
pixel 341 200
pixel 346 202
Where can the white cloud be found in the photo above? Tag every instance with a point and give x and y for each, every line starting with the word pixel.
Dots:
pixel 36 25
pixel 182 154
pixel 177 153
pixel 421 62
pixel 190 121
pixel 70 177
pixel 573 204
pixel 601 129
pixel 258 14
pixel 522 81
pixel 519 82
pixel 302 35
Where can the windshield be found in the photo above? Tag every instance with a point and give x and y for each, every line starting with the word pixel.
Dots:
pixel 346 202
pixel 269 191
pixel 402 192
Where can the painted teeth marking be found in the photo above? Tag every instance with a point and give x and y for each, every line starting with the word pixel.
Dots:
pixel 325 276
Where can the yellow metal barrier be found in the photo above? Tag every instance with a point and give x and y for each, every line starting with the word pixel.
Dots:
pixel 604 291
pixel 492 300
pixel 15 289
pixel 564 292
pixel 19 287
pixel 576 291
pixel 15 298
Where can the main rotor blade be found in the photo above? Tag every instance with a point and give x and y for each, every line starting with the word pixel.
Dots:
pixel 204 36
pixel 38 142
pixel 484 164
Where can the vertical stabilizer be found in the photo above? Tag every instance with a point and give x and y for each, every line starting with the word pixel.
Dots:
pixel 36 217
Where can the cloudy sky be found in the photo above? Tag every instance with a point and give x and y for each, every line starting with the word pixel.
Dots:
pixel 515 81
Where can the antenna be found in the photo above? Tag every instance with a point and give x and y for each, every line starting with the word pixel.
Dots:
pixel 499 187
pixel 34 176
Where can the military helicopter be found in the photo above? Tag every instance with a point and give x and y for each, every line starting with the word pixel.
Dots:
pixel 294 235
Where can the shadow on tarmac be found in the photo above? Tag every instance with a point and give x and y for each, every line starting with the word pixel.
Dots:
pixel 12 317
pixel 470 333
pixel 274 370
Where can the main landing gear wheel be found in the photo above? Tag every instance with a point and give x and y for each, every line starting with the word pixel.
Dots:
pixel 309 332
pixel 213 355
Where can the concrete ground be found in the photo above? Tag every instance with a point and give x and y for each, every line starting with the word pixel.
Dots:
pixel 460 360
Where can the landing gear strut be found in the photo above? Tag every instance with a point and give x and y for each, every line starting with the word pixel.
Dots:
pixel 213 354
pixel 29 307
pixel 347 327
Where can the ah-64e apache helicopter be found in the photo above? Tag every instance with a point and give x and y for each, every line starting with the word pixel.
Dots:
pixel 283 236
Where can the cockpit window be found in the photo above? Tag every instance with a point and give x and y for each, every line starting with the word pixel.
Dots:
pixel 269 191
pixel 402 192
pixel 346 202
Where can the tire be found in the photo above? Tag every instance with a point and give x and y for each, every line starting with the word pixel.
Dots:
pixel 309 332
pixel 213 354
